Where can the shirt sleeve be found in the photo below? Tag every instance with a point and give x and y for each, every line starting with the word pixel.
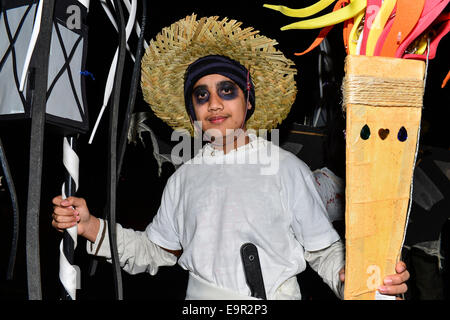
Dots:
pixel 310 224
pixel 136 252
pixel 163 230
pixel 327 263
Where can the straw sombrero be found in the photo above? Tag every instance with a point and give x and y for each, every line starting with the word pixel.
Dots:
pixel 177 46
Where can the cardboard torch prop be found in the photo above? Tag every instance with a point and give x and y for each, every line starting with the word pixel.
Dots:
pixel 388 44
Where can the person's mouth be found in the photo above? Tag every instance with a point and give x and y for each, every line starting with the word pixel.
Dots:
pixel 217 119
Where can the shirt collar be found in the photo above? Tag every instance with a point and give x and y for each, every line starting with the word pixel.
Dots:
pixel 209 151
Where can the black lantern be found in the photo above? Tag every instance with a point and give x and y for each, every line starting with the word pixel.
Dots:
pixel 43 47
pixel 19 27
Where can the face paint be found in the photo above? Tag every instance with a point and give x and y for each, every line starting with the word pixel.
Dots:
pixel 226 90
pixel 200 95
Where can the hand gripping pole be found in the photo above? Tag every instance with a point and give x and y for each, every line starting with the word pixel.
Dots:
pixel 69 274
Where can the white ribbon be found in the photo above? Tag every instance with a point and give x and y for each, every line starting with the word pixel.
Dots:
pixel 31 45
pixel 85 3
pixel 69 274
pixel 111 74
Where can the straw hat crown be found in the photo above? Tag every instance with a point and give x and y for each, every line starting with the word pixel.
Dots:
pixel 180 44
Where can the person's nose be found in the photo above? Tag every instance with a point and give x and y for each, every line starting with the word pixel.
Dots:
pixel 215 103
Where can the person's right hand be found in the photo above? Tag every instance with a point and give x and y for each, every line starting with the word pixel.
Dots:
pixel 70 211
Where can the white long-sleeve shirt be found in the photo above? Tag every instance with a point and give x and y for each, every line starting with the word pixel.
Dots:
pixel 216 202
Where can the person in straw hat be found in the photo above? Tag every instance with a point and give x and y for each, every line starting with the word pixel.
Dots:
pixel 211 78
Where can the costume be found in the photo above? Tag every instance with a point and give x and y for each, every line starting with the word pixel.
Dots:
pixel 214 203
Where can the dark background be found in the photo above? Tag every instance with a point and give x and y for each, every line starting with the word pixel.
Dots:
pixel 140 187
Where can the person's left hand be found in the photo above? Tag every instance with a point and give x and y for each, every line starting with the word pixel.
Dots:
pixel 393 284
pixel 396 284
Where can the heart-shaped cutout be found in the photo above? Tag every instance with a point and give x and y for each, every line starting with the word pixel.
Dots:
pixel 383 133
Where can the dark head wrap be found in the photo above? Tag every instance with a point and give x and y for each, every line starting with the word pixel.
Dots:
pixel 216 64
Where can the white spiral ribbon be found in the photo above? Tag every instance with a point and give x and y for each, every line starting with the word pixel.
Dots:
pixel 69 274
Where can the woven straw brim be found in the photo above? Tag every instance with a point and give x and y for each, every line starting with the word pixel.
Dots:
pixel 177 46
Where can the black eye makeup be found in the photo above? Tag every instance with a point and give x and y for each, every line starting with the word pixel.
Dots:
pixel 200 94
pixel 226 90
